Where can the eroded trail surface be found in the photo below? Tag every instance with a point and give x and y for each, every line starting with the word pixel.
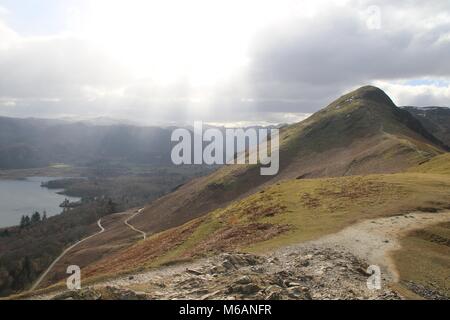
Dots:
pixel 374 240
pixel 333 267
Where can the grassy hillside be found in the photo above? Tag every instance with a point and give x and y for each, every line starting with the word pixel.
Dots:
pixel 288 212
pixel 360 133
pixel 423 262
pixel 437 165
pixel 338 167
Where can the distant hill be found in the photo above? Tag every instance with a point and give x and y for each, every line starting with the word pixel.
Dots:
pixel 293 211
pixel 362 132
pixel 28 143
pixel 333 173
pixel 32 143
pixel 435 119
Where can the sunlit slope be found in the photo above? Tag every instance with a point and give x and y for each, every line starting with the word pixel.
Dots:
pixel 423 262
pixel 436 165
pixel 285 213
pixel 362 132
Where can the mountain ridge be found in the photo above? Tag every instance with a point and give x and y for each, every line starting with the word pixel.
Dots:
pixel 435 119
pixel 365 135
pixel 333 172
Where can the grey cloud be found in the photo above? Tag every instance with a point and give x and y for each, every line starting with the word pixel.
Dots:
pixel 297 67
pixel 340 48
pixel 312 63
pixel 55 67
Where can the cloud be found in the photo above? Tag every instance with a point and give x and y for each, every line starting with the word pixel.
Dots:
pixel 3 11
pixel 341 49
pixel 318 57
pixel 295 66
pixel 417 95
pixel 7 35
pixel 56 67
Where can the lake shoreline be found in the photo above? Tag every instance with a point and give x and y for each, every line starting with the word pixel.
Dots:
pixel 25 196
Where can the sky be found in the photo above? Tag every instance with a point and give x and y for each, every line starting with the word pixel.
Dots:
pixel 222 62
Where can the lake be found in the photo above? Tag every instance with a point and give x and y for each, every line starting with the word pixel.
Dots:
pixel 23 197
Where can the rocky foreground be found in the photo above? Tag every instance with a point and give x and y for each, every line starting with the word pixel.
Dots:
pixel 303 273
pixel 333 267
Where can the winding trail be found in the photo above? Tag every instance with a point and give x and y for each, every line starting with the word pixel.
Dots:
pixel 144 235
pixel 42 277
pixel 375 240
pixel 372 240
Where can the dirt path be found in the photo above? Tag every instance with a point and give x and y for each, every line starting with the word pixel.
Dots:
pixel 371 241
pixel 42 277
pixel 374 240
pixel 144 235
pixel 332 267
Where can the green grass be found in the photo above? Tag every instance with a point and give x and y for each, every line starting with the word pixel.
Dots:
pixel 317 207
pixel 206 228
pixel 425 258
pixel 329 205
pixel 437 165
pixel 311 208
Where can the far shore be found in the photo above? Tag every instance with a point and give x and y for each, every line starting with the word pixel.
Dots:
pixel 52 171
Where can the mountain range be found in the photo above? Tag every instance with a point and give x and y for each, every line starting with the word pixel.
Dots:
pixel 28 143
pixel 362 132
pixel 361 159
pixel 435 120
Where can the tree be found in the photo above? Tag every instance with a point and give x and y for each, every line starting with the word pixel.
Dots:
pixel 65 203
pixel 111 206
pixel 27 221
pixel 5 233
pixel 25 273
pixel 28 268
pixel 35 218
pixel 5 279
pixel 24 222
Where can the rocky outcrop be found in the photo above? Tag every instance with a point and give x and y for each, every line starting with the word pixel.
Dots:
pixel 299 274
pixel 103 293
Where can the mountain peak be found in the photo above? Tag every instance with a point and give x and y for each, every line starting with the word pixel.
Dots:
pixel 364 97
pixel 370 110
pixel 372 93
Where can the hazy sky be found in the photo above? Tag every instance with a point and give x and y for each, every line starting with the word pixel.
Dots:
pixel 217 61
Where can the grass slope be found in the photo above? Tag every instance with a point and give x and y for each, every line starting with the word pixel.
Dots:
pixel 437 165
pixel 288 212
pixel 356 139
pixel 361 133
pixel 424 262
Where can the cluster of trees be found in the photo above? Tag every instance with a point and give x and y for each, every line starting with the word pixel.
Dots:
pixel 5 233
pixel 27 221
pixel 13 274
pixel 128 188
pixel 28 249
pixel 31 247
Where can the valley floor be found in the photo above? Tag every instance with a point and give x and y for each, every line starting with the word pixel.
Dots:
pixel 332 267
